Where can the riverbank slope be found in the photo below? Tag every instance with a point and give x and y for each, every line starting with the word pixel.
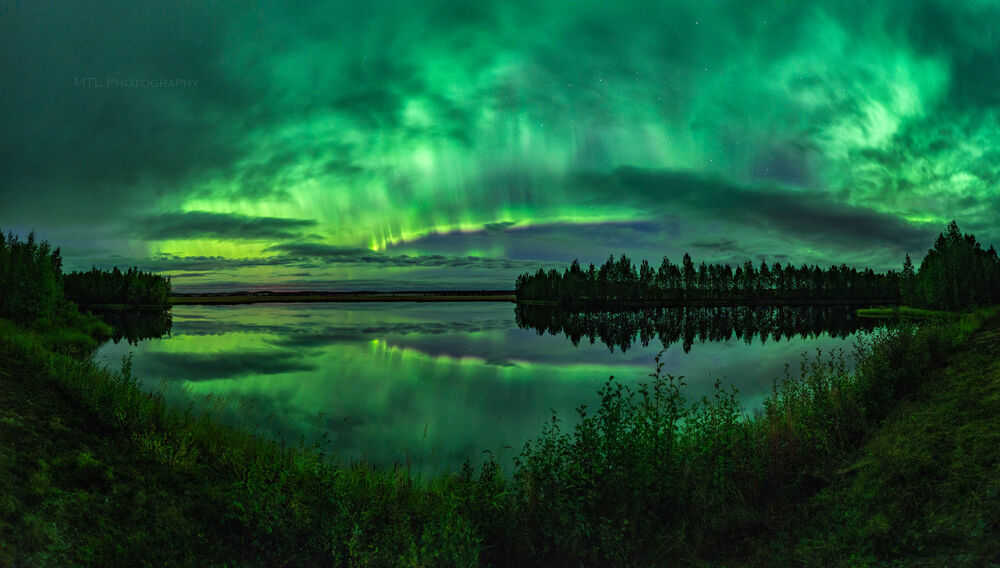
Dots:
pixel 97 471
pixel 924 490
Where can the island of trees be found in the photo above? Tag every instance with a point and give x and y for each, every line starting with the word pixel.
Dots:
pixel 956 274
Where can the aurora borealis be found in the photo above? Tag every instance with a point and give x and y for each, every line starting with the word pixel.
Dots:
pixel 383 145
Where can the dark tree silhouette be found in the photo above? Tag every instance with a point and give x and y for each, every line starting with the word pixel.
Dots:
pixel 132 287
pixel 617 282
pixel 956 274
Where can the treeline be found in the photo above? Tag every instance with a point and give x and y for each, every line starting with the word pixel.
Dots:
pixel 620 282
pixel 132 287
pixel 956 274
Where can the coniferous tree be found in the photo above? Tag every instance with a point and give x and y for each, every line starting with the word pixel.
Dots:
pixel 956 274
pixel 689 276
pixel 907 283
pixel 618 281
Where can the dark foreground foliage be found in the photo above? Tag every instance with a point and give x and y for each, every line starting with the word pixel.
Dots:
pixel 97 471
pixel 924 490
pixel 647 477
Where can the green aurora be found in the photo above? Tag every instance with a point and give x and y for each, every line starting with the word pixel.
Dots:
pixel 384 145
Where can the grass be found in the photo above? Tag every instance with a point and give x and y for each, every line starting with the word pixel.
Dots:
pixel 96 471
pixel 897 459
pixel 900 312
pixel 129 307
pixel 925 488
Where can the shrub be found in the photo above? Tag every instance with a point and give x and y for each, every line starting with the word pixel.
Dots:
pixel 649 474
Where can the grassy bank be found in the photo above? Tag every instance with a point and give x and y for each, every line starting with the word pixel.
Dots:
pixel 924 490
pixel 94 471
pixel 904 312
pixel 127 307
pixel 648 477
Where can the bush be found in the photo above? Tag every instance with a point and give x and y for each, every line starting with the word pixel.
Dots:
pixel 650 475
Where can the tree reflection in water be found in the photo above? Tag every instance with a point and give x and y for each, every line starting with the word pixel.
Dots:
pixel 136 325
pixel 620 329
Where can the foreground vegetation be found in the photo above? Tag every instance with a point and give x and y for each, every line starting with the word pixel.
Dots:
pixel 95 470
pixel 892 463
pixel 649 477
pixel 925 488
pixel 895 312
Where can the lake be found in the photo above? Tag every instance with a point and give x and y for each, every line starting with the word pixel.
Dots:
pixel 430 385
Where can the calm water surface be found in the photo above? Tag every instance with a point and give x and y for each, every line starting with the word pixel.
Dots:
pixel 434 384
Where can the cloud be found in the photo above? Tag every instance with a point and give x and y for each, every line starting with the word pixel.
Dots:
pixel 164 262
pixel 498 227
pixel 318 250
pixel 226 365
pixel 716 245
pixel 806 215
pixel 223 226
pixel 331 254
pixel 335 334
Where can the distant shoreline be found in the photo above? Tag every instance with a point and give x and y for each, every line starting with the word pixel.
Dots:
pixel 264 297
pixel 404 296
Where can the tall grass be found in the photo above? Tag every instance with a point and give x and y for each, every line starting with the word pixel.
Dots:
pixel 261 501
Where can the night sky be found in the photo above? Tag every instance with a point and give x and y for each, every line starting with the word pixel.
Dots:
pixel 380 145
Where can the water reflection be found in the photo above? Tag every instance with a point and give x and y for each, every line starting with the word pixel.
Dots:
pixel 433 386
pixel 620 329
pixel 136 325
